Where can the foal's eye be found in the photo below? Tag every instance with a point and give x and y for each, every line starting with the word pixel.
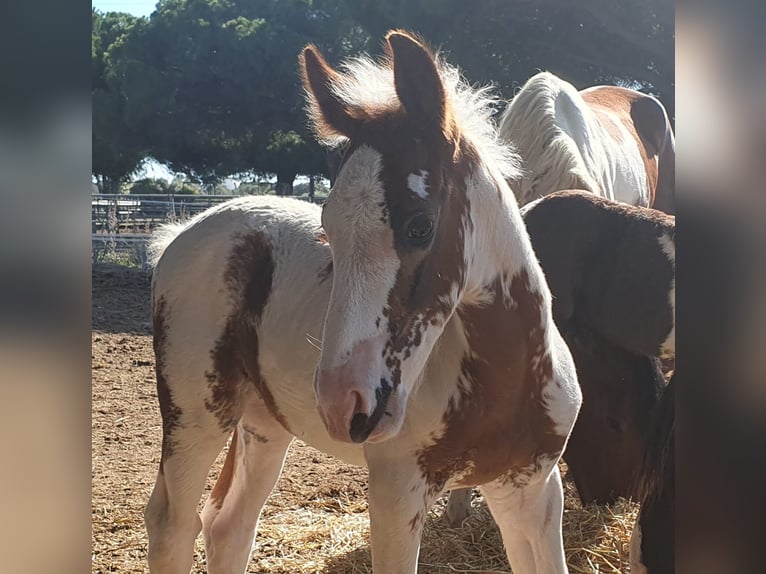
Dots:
pixel 420 229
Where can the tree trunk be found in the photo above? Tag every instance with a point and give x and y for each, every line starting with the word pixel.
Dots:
pixel 108 185
pixel 100 183
pixel 311 189
pixel 285 183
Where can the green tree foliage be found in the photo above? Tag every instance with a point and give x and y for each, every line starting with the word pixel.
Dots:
pixel 211 87
pixel 117 150
pixel 505 42
pixel 148 186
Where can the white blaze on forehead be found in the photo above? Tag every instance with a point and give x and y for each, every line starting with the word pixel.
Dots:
pixel 364 259
pixel 417 184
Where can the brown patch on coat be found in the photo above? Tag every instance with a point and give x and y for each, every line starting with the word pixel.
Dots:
pixel 223 484
pixel 248 277
pixel 170 413
pixel 646 120
pixel 416 522
pixel 422 294
pixel 500 426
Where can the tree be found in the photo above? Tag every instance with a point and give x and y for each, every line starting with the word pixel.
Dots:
pixel 116 149
pixel 501 42
pixel 212 85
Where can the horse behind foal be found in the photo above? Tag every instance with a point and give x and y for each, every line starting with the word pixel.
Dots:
pixel 612 141
pixel 435 322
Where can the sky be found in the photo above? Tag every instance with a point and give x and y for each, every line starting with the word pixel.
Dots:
pixel 135 7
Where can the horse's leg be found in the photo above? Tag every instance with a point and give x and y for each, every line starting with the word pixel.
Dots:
pixel 399 502
pixel 530 523
pixel 172 523
pixel 458 506
pixel 252 467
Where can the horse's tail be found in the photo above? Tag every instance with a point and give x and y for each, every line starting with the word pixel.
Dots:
pixel 551 158
pixel 161 238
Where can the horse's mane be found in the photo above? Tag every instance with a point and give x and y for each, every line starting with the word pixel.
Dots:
pixel 364 83
pixel 529 124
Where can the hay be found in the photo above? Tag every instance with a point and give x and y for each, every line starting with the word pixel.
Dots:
pixel 316 520
pixel 323 538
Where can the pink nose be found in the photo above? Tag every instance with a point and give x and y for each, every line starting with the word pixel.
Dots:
pixel 342 404
pixel 351 400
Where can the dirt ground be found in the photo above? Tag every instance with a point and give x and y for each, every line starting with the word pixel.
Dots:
pixel 316 519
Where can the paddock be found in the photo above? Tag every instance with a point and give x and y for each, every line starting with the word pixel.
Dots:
pixel 316 520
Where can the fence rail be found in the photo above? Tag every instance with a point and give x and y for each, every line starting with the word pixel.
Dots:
pixel 122 224
pixel 129 213
pixel 117 213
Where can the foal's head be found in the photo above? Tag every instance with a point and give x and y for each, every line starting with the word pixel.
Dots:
pixel 398 221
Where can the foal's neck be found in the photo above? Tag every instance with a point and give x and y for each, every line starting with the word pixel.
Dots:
pixel 498 245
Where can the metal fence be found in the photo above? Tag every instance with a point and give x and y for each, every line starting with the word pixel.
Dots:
pixel 142 213
pixel 121 225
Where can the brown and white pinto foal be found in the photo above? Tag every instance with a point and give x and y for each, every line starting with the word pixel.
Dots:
pixel 440 365
pixel 613 141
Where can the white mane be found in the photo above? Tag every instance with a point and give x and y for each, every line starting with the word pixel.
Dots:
pixel 365 83
pixel 551 158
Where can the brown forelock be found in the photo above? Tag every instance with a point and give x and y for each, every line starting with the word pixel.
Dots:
pixel 500 426
pixel 170 413
pixel 223 484
pixel 620 101
pixel 425 274
pixel 248 278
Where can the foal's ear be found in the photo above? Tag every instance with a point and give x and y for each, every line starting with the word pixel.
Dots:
pixel 418 83
pixel 329 114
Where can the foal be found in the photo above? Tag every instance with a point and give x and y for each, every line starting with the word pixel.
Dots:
pixel 440 364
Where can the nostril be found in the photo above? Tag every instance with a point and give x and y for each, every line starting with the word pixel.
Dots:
pixel 358 402
pixel 359 430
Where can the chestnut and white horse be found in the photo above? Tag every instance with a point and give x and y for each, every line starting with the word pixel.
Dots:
pixel 440 365
pixel 613 141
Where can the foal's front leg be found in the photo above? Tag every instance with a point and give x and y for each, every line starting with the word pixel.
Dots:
pixel 529 518
pixel 399 501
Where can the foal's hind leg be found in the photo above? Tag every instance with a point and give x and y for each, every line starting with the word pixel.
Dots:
pixel 172 523
pixel 529 519
pixel 458 507
pixel 252 467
